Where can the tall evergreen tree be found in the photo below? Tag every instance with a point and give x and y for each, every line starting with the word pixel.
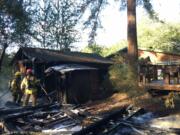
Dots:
pixel 96 6
pixel 131 30
pixel 14 23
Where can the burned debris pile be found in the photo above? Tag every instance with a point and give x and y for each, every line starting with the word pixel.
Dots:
pixel 37 119
pixel 69 119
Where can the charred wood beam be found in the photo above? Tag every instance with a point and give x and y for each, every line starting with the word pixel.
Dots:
pixel 17 115
pixel 124 124
pixel 9 127
pixel 54 122
pixel 136 113
pixel 75 117
pixel 144 129
pixel 95 126
pixel 5 112
pixel 57 115
pixel 41 114
pixel 50 121
pixel 127 123
pixel 23 120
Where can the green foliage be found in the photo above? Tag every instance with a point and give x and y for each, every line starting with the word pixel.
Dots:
pixel 14 22
pixel 159 36
pixel 54 23
pixel 94 49
pixel 123 78
pixel 105 51
pixel 114 48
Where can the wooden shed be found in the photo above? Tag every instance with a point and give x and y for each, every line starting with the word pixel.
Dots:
pixel 75 83
pixel 74 76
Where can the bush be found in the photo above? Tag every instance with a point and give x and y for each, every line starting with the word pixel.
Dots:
pixel 124 78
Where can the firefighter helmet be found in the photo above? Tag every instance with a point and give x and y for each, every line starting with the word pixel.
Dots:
pixel 29 71
pixel 17 73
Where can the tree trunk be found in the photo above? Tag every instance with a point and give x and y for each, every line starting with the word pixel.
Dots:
pixel 2 55
pixel 132 41
pixel 132 32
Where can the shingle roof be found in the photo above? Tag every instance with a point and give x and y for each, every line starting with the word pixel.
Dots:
pixel 47 55
pixel 125 50
pixel 121 51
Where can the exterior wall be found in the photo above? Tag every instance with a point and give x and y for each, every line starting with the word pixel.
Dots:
pixel 157 57
pixel 77 87
pixel 83 86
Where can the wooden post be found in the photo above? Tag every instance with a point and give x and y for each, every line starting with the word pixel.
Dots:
pixel 166 75
pixel 140 73
pixel 178 75
pixel 148 77
pixel 144 79
pixel 167 78
pixel 155 73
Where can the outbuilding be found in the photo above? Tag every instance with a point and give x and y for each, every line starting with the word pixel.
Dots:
pixel 73 77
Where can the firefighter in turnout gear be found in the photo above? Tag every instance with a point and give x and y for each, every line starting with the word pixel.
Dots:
pixel 15 87
pixel 29 86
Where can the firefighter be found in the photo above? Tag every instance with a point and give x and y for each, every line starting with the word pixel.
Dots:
pixel 15 87
pixel 29 86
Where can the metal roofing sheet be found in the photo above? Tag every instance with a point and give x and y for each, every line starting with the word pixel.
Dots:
pixel 68 68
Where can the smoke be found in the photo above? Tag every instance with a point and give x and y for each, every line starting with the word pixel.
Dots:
pixel 5 76
pixel 5 94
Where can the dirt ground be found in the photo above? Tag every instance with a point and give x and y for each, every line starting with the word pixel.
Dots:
pixel 146 101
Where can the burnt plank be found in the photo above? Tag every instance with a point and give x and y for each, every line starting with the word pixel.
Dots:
pixel 125 121
pixel 137 112
pixel 9 127
pixel 17 115
pixel 49 124
pixel 73 115
pixel 41 114
pixel 95 126
pixel 21 109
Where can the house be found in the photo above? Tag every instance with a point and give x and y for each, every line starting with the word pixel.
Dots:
pixel 74 76
pixel 155 57
pixel 157 70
